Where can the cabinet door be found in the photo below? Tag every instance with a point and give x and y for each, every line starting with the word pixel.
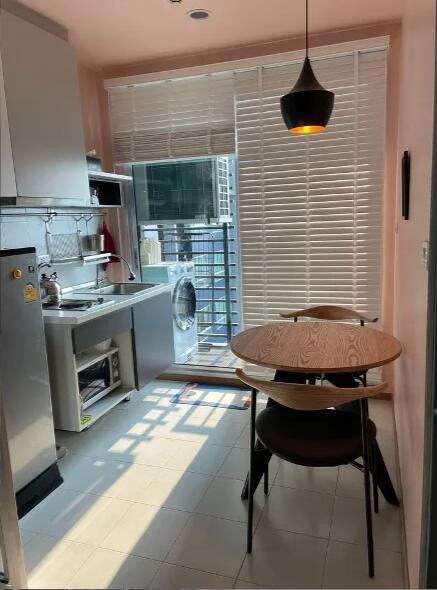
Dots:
pixel 96 331
pixel 153 338
pixel 7 175
pixel 43 105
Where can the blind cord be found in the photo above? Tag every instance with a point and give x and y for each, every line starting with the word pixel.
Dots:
pixel 306 28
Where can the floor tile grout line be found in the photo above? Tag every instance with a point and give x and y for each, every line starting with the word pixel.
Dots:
pixel 93 550
pixel 44 529
pixel 325 562
pixel 191 514
pixel 97 547
pixel 133 502
pixel 115 551
pixel 193 569
pixel 81 566
pixel 123 516
pixel 101 427
pixel 194 511
pixel 201 473
pixel 101 458
pixel 148 438
pixel 188 520
pixel 211 476
pixel 199 570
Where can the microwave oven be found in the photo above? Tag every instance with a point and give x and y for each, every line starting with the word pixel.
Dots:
pixel 99 378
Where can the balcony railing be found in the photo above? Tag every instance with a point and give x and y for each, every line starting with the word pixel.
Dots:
pixel 213 249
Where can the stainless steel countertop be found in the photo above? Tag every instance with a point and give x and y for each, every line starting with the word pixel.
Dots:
pixel 112 303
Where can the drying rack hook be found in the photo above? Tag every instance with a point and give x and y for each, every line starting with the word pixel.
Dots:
pixel 48 220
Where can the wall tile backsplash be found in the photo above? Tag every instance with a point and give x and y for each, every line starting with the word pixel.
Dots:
pixel 21 230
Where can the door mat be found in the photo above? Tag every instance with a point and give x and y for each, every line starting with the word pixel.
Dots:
pixel 195 394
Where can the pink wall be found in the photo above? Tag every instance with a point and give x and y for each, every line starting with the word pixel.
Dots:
pixel 415 134
pixel 88 85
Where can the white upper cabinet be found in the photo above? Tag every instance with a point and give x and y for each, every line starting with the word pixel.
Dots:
pixel 43 110
pixel 8 187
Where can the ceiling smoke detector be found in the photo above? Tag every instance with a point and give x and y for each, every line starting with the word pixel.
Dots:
pixel 199 14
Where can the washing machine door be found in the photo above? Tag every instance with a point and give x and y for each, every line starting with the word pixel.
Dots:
pixel 184 304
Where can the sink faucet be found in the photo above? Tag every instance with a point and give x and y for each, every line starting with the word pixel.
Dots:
pixel 101 282
pixel 132 275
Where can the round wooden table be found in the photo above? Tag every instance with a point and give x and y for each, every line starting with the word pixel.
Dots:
pixel 316 347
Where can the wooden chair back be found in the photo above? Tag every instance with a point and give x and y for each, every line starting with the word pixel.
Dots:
pixel 329 312
pixel 308 397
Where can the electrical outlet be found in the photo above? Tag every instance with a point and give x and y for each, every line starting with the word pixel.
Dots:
pixel 425 254
pixel 44 259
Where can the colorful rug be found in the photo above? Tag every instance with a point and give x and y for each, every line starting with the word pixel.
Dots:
pixel 229 398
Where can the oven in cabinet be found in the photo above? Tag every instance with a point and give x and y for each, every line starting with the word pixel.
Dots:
pixel 98 378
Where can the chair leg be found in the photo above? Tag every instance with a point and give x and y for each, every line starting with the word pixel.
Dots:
pixel 368 501
pixel 266 475
pixel 251 468
pixel 374 482
pixel 373 460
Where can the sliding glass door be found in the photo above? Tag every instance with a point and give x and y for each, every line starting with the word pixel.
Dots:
pixel 187 231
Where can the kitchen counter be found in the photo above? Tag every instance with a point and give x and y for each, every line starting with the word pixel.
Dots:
pixel 112 303
pixel 139 327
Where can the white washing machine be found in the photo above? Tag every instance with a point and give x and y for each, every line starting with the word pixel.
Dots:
pixel 181 276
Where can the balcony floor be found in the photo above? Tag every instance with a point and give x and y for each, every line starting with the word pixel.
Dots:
pixel 218 357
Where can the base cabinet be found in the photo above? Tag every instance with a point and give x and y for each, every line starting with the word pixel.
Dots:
pixel 153 338
pixel 140 345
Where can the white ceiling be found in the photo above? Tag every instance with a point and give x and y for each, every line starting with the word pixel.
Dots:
pixel 115 32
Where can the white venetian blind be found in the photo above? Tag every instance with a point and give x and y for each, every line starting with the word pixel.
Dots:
pixel 310 208
pixel 175 118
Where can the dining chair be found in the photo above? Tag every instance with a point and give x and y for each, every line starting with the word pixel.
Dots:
pixel 329 312
pixel 304 429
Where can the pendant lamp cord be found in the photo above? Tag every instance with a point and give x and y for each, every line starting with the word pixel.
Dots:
pixel 306 28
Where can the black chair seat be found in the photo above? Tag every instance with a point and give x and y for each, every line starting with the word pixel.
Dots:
pixel 316 439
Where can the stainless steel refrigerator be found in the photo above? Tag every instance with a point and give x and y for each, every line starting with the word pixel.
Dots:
pixel 24 380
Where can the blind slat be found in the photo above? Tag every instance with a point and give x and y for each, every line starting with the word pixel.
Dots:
pixel 173 119
pixel 310 208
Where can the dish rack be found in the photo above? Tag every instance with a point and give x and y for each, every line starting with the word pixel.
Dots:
pixel 64 247
pixel 68 248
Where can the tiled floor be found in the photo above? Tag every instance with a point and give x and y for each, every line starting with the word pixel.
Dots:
pixel 151 499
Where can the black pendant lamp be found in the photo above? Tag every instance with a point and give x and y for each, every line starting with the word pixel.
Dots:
pixel 308 106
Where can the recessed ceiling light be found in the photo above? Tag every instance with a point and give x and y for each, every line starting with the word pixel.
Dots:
pixel 199 14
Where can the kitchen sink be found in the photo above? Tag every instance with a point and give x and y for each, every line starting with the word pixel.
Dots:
pixel 122 288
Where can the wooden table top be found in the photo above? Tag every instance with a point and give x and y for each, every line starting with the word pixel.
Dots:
pixel 319 347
